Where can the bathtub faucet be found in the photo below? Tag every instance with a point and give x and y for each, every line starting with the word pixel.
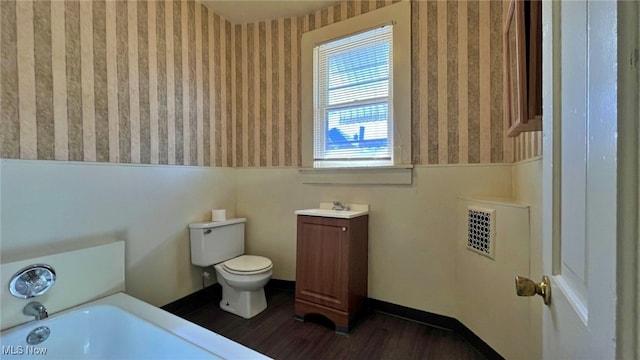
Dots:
pixel 36 310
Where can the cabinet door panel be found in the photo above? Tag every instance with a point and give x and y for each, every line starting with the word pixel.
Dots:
pixel 321 266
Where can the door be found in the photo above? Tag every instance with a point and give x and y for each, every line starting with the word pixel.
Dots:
pixel 580 174
pixel 321 265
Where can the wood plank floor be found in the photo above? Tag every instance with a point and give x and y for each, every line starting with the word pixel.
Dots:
pixel 275 333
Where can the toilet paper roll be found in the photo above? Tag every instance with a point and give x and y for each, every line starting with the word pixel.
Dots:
pixel 218 215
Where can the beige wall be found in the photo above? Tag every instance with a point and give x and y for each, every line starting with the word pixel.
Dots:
pixel 487 302
pixel 414 232
pixel 48 204
pixel 412 228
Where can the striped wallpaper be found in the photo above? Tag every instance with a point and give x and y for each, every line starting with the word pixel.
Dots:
pixel 140 82
pixel 170 82
pixel 457 83
pixel 457 114
pixel 527 145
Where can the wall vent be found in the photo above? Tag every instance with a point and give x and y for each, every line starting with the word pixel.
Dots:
pixel 481 230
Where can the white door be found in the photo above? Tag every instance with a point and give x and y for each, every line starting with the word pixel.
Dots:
pixel 579 178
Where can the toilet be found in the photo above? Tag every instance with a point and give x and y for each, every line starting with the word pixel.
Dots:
pixel 242 277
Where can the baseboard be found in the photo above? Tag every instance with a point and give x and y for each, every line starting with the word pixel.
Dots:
pixel 286 285
pixel 424 317
pixel 214 293
pixel 435 320
pixel 186 304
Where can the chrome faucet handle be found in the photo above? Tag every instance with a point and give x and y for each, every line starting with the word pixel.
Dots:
pixel 338 205
pixel 36 310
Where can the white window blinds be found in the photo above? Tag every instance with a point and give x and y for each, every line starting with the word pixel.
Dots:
pixel 353 123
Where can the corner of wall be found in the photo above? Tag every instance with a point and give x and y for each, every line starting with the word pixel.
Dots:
pixel 527 188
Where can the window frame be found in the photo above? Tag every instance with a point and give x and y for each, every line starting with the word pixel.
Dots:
pixel 399 14
pixel 324 106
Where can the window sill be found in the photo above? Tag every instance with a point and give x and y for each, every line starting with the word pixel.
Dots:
pixel 386 175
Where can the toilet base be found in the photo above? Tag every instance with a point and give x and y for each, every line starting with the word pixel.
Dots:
pixel 246 304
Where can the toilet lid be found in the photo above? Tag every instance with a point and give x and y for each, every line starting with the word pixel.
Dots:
pixel 247 263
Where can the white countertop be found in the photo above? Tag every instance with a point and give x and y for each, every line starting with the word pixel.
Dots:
pixel 325 210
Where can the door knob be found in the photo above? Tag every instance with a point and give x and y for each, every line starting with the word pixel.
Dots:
pixel 526 287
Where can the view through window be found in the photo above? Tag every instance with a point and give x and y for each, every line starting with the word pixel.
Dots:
pixel 353 99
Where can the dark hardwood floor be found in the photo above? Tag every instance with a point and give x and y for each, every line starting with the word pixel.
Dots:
pixel 376 335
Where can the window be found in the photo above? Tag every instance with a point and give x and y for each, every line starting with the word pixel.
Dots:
pixel 353 99
pixel 356 91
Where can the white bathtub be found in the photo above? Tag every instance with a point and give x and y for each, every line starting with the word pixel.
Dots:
pixel 120 327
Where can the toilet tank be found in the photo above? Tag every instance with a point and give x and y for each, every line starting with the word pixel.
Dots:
pixel 215 242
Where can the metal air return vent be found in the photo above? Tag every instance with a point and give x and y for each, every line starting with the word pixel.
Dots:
pixel 481 230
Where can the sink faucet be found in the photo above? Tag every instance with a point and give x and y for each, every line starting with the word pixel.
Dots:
pixel 337 205
pixel 36 310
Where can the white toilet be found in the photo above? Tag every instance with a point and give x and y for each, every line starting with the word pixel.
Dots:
pixel 242 277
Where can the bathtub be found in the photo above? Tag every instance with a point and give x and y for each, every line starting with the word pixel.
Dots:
pixel 120 327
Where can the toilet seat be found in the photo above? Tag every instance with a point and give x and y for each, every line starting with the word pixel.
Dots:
pixel 247 265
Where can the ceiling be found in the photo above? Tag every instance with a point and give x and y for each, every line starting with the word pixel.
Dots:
pixel 248 11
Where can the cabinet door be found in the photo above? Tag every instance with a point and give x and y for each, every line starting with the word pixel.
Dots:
pixel 321 266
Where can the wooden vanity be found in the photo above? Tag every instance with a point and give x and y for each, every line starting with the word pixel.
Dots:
pixel 332 268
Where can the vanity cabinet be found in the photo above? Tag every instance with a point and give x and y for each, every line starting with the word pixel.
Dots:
pixel 331 268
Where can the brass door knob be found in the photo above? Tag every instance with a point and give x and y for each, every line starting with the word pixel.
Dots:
pixel 526 287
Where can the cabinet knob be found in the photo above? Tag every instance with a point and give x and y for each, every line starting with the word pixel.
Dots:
pixel 344 228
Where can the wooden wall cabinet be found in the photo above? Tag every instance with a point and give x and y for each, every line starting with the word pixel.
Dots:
pixel 522 39
pixel 332 268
